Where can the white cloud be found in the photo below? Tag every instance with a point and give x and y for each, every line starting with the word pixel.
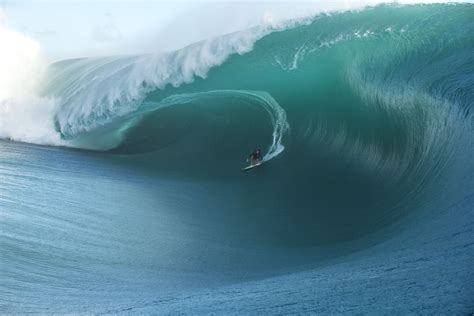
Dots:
pixel 3 17
pixel 106 33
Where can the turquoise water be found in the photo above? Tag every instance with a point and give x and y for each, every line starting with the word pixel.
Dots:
pixel 364 204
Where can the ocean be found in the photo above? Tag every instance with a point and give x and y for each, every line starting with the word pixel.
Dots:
pixel 121 188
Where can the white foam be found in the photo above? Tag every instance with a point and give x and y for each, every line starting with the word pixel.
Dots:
pixel 24 116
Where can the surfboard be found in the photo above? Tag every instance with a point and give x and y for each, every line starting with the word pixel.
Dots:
pixel 252 166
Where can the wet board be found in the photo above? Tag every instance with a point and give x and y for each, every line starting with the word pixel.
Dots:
pixel 252 166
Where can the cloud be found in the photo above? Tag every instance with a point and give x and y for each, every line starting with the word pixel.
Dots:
pixel 106 32
pixel 3 16
pixel 45 33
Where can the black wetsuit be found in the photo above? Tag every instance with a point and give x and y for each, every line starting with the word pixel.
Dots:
pixel 256 157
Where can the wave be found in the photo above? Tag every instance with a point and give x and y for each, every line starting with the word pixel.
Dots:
pixel 366 120
pixel 375 88
pixel 370 99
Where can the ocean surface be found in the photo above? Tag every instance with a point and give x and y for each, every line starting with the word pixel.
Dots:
pixel 121 188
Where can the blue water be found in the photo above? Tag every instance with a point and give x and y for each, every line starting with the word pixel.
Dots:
pixel 131 199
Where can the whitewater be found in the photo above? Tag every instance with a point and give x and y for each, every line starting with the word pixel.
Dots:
pixel 121 189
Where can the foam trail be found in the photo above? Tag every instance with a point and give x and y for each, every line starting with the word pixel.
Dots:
pixel 260 98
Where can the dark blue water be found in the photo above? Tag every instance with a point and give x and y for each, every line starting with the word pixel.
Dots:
pixel 82 233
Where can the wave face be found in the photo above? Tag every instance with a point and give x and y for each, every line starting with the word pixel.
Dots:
pixel 391 52
pixel 367 103
pixel 366 122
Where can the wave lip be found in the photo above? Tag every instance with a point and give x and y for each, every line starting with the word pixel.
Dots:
pixel 95 91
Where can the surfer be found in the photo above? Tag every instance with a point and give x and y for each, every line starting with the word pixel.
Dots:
pixel 255 157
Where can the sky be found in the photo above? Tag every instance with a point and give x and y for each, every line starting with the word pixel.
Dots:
pixel 71 29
